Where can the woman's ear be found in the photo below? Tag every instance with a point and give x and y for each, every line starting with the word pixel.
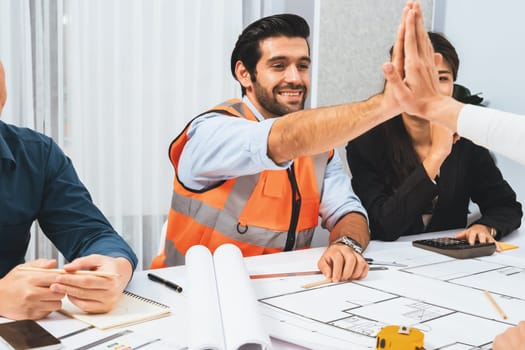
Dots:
pixel 438 58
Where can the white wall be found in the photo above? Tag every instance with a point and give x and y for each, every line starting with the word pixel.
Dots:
pixel 489 37
pixel 354 40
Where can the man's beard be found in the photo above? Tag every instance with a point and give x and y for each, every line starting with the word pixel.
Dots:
pixel 272 105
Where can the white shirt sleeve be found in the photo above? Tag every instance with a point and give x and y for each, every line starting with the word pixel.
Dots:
pixel 501 132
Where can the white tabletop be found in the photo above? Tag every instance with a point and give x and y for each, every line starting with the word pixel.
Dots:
pixel 174 328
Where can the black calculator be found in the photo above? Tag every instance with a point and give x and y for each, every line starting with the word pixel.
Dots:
pixel 456 248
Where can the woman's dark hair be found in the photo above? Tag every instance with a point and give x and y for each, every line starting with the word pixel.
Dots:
pixel 402 156
pixel 247 48
pixel 444 47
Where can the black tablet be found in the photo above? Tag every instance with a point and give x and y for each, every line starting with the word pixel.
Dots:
pixel 26 335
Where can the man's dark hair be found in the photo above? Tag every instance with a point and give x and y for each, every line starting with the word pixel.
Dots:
pixel 247 48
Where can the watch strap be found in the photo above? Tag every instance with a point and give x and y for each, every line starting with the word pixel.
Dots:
pixel 350 242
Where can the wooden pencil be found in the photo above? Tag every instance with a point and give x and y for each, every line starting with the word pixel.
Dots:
pixel 318 283
pixel 495 304
pixel 62 271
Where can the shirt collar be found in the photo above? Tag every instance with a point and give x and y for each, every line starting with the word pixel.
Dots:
pixel 254 110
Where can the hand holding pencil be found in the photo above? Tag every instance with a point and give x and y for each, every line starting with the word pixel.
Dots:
pixel 94 283
pixel 35 289
pixel 29 293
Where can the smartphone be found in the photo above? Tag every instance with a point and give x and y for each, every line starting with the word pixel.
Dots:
pixel 27 335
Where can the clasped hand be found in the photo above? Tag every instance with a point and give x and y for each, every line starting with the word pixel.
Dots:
pixel 34 295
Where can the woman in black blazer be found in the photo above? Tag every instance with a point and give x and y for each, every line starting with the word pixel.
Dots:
pixel 413 176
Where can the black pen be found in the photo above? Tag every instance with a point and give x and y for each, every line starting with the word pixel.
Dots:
pixel 167 283
pixel 371 261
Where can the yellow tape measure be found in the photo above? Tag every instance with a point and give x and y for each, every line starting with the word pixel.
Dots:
pixel 399 338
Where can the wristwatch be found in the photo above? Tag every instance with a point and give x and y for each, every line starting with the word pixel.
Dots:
pixel 350 242
pixel 493 232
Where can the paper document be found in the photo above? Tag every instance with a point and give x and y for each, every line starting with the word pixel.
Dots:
pixel 225 314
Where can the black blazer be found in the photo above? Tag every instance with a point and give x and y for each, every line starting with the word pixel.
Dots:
pixel 469 172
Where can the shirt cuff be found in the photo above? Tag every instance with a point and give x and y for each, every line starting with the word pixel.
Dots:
pixel 258 146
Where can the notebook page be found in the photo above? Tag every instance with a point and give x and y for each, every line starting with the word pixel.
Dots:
pixel 130 309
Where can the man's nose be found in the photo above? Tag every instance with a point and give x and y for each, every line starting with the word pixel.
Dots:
pixel 292 74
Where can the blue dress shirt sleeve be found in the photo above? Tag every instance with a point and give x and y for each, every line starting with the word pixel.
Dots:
pixel 69 217
pixel 38 182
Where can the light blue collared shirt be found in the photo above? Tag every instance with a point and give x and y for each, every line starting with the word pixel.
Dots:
pixel 220 147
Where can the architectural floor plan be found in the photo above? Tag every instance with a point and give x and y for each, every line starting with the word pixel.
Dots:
pixel 441 296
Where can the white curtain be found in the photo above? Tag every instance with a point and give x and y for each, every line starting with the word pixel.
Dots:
pixel 122 78
pixel 27 49
pixel 16 55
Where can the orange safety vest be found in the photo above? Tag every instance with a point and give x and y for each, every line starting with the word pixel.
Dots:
pixel 254 212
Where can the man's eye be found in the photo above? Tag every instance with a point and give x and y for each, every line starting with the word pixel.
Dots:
pixel 303 66
pixel 278 65
pixel 443 79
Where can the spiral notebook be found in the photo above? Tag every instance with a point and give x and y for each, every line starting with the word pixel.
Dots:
pixel 130 309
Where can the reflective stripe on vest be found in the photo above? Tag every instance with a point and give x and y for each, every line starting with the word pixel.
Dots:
pixel 212 217
pixel 223 217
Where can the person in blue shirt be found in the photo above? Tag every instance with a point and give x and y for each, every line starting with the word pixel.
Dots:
pixel 38 182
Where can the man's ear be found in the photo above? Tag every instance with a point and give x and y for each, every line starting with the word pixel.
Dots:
pixel 242 74
pixel 3 89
